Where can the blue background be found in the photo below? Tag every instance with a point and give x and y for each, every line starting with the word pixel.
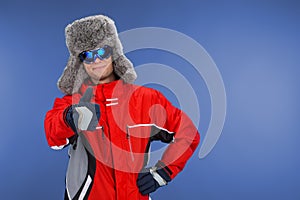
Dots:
pixel 255 45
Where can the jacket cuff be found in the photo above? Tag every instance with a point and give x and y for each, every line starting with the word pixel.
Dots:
pixel 163 171
pixel 68 118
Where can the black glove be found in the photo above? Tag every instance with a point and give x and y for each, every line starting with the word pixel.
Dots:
pixel 84 115
pixel 150 179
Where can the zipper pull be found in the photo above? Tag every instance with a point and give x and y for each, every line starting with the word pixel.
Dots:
pixel 127 132
pixel 103 136
pixel 129 142
pixel 102 131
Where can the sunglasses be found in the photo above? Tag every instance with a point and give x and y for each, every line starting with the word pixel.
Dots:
pixel 90 56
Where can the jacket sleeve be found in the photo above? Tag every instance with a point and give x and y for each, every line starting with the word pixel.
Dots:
pixel 186 138
pixel 56 130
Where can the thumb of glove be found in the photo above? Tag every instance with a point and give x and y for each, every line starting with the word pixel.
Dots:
pixel 87 96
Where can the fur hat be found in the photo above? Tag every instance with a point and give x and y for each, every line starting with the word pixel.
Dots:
pixel 90 33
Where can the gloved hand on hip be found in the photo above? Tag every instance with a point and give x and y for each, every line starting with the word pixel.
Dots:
pixel 150 179
pixel 84 115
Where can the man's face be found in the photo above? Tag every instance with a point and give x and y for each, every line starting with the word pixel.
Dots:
pixel 100 71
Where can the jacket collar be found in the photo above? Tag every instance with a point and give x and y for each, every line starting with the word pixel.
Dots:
pixel 105 91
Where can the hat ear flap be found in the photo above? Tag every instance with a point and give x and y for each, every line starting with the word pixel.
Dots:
pixel 72 77
pixel 124 69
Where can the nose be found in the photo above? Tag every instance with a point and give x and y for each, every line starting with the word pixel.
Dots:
pixel 98 60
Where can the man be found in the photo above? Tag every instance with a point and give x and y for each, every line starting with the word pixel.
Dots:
pixel 110 123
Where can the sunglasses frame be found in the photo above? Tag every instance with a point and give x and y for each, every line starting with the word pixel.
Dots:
pixel 95 54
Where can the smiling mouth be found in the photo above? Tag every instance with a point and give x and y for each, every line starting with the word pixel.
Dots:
pixel 99 67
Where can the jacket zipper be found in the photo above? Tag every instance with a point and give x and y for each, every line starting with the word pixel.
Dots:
pixel 129 142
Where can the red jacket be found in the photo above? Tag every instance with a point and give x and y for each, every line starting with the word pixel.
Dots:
pixel 131 118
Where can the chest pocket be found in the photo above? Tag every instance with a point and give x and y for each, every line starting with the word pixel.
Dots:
pixel 139 137
pixel 138 144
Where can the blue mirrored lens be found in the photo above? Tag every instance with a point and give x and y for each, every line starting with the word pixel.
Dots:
pixel 101 52
pixel 89 54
